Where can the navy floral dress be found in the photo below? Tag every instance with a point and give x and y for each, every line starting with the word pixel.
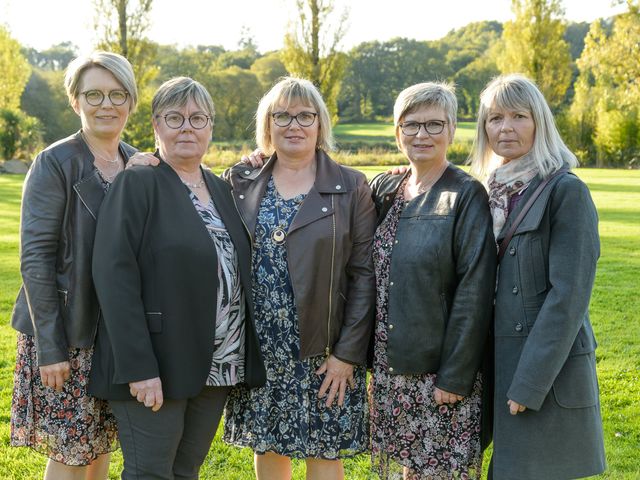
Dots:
pixel 285 416
pixel 408 429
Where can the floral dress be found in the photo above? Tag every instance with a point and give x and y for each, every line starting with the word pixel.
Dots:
pixel 71 426
pixel 408 429
pixel 285 416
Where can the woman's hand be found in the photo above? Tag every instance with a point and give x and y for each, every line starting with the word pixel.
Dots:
pixel 143 158
pixel 55 375
pixel 400 170
pixel 148 392
pixel 441 397
pixel 255 158
pixel 515 408
pixel 338 376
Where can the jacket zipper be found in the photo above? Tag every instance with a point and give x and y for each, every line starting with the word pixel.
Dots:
pixel 327 350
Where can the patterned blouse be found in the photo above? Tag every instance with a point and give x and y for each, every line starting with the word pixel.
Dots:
pixel 227 364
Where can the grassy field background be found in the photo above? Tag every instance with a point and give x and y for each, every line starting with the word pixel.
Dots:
pixel 614 307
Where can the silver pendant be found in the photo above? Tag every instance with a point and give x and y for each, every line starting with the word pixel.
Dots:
pixel 278 235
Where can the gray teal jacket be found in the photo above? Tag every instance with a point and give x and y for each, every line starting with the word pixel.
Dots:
pixel 544 343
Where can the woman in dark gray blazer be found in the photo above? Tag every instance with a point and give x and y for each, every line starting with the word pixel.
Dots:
pixel 172 273
pixel 547 422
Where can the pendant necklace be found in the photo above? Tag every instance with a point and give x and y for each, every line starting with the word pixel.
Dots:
pixel 278 235
pixel 198 184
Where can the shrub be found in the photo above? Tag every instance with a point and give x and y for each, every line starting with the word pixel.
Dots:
pixel 20 135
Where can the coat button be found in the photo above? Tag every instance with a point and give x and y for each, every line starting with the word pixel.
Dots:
pixel 515 290
pixel 247 172
pixel 391 369
pixel 324 209
pixel 338 187
pixel 396 242
pixel 391 326
pixel 512 251
pixel 391 284
pixel 518 327
pixel 241 197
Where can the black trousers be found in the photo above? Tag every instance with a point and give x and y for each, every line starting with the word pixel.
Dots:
pixel 173 442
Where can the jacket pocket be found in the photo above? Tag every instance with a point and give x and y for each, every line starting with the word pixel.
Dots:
pixel 576 386
pixel 538 270
pixel 154 321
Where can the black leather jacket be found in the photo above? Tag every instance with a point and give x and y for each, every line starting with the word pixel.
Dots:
pixel 61 198
pixel 442 279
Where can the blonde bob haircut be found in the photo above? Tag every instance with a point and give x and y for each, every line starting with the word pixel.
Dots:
pixel 289 91
pixel 115 64
pixel 428 94
pixel 177 92
pixel 517 92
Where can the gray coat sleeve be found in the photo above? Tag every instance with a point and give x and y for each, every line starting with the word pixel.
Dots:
pixel 574 248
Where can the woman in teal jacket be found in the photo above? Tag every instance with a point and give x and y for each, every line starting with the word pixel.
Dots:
pixel 547 422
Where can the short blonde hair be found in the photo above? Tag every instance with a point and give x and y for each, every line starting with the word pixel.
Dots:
pixel 517 92
pixel 427 94
pixel 115 64
pixel 287 91
pixel 177 91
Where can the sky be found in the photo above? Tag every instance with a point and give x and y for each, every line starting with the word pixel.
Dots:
pixel 42 23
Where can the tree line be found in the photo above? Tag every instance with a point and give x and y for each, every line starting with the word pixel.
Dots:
pixel 589 73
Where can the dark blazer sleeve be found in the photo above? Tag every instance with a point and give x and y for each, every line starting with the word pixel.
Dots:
pixel 358 315
pixel 43 205
pixel 472 306
pixel 117 252
pixel 574 248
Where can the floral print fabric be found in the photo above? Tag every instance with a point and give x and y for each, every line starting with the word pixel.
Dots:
pixel 408 429
pixel 227 364
pixel 70 427
pixel 285 416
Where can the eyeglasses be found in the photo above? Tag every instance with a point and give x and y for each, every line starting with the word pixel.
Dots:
pixel 96 97
pixel 432 127
pixel 284 119
pixel 175 120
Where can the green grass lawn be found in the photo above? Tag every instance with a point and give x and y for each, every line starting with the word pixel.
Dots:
pixel 385 132
pixel 614 307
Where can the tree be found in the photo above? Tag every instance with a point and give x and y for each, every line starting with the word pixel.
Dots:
pixel 534 44
pixel 123 24
pixel 234 111
pixel 268 69
pixel 605 114
pixel 311 48
pixel 56 57
pixel 378 71
pixel 15 71
pixel 19 135
pixel 44 98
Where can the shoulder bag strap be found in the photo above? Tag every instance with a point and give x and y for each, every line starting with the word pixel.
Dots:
pixel 507 238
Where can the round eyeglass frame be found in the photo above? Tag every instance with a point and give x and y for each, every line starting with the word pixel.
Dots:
pixel 103 96
pixel 441 124
pixel 185 118
pixel 292 117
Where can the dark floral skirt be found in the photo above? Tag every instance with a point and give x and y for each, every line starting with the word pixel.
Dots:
pixel 70 427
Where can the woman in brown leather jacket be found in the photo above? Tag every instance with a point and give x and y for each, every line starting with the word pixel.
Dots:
pixel 435 263
pixel 56 313
pixel 311 222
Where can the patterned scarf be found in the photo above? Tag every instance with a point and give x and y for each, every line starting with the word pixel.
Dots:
pixel 506 181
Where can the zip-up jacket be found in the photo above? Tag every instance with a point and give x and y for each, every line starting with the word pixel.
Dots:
pixel 328 253
pixel 61 198
pixel 442 279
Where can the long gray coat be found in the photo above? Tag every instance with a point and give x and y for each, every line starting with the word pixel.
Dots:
pixel 544 344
